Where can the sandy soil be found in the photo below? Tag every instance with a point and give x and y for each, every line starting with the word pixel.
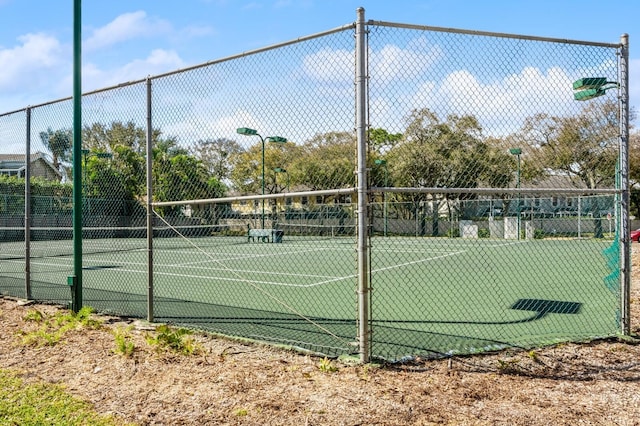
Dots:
pixel 232 383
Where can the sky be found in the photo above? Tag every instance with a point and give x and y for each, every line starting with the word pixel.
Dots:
pixel 126 40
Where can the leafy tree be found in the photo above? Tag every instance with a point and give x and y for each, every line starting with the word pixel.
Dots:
pixel 179 175
pixel 583 147
pixel 449 154
pixel 327 161
pixel 101 137
pixel 246 166
pixel 216 155
pixel 381 141
pixel 59 143
pixel 126 144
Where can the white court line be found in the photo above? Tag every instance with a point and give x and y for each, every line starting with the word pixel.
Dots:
pixel 438 257
pixel 242 280
pixel 248 256
pixel 418 261
pixel 279 284
pixel 249 271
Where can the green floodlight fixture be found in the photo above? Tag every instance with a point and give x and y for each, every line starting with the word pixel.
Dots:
pixel 592 87
pixel 246 131
pixel 277 139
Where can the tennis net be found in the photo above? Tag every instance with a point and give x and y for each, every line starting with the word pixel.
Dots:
pixel 309 231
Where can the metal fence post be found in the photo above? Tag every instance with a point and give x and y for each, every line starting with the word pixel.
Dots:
pixel 363 229
pixel 149 153
pixel 27 209
pixel 78 199
pixel 625 248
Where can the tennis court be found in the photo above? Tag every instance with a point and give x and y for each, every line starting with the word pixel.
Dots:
pixel 430 296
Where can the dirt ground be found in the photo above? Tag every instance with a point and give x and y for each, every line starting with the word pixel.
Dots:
pixel 232 383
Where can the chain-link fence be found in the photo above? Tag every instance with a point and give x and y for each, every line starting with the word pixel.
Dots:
pixel 417 192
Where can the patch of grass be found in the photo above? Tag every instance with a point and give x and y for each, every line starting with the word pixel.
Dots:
pixel 34 315
pixel 326 366
pixel 242 412
pixel 174 339
pixel 124 341
pixel 54 328
pixel 44 404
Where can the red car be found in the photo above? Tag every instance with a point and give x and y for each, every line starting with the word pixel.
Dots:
pixel 635 235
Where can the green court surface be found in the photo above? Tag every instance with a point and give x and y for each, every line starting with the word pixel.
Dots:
pixel 430 296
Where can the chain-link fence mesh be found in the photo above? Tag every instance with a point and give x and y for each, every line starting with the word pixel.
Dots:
pixel 13 129
pixel 522 253
pixel 493 215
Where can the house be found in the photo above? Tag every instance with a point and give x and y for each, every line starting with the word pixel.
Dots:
pixel 14 165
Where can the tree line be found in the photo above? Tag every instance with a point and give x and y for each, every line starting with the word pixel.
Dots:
pixel 431 152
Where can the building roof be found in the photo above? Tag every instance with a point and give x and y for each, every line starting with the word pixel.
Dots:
pixel 16 161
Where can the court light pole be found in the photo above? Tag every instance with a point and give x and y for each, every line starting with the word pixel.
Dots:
pixel 276 139
pixel 383 163
pixel 517 152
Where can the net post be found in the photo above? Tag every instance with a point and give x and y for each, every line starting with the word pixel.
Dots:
pixel 149 205
pixel 364 332
pixel 625 249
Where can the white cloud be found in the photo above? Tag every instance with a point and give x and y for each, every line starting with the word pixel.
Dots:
pixel 30 62
pixel 501 105
pixel 93 77
pixel 199 125
pixel 126 27
pixel 158 62
pixel 329 65
pixel 389 63
pixel 393 62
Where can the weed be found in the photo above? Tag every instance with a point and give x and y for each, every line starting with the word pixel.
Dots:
pixel 52 329
pixel 242 412
pixel 326 366
pixel 508 366
pixel 124 341
pixel 34 315
pixel 176 340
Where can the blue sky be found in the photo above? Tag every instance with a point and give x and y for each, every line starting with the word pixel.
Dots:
pixel 126 40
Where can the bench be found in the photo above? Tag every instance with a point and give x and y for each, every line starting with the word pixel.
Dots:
pixel 261 234
pixel 264 235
